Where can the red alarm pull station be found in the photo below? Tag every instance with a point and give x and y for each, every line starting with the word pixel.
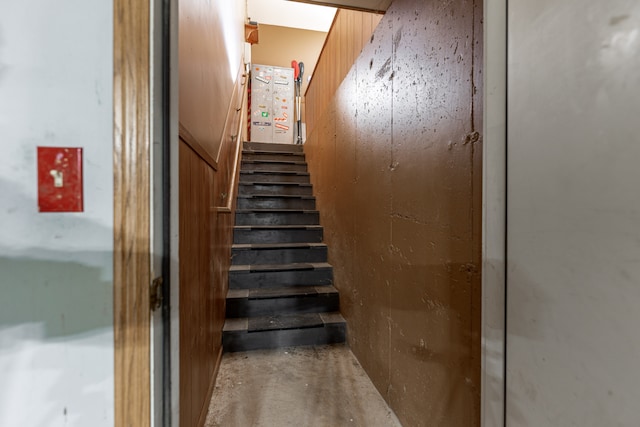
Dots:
pixel 60 179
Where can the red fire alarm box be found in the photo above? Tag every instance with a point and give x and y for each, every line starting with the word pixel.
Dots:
pixel 60 179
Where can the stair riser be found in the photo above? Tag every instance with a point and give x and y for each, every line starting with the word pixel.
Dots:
pixel 270 189
pixel 296 157
pixel 279 256
pixel 291 148
pixel 277 236
pixel 273 177
pixel 276 203
pixel 277 218
pixel 268 166
pixel 244 307
pixel 275 279
pixel 244 341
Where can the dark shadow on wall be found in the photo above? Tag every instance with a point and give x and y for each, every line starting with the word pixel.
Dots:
pixel 63 287
pixel 56 333
pixel 56 315
pixel 66 298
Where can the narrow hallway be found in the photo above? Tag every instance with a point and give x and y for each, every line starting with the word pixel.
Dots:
pixel 315 386
pixel 394 158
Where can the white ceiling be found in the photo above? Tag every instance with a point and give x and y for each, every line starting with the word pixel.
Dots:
pixel 370 5
pixel 291 14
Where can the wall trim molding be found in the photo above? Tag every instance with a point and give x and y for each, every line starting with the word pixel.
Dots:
pixel 198 148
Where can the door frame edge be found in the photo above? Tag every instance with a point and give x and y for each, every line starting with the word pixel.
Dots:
pixel 494 220
pixel 132 234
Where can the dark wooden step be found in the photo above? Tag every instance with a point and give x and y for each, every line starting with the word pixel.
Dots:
pixel 262 155
pixel 274 176
pixel 274 188
pixel 273 301
pixel 247 276
pixel 276 202
pixel 293 148
pixel 283 331
pixel 276 217
pixel 277 234
pixel 278 253
pixel 273 165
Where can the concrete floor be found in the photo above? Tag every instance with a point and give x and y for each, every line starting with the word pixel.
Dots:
pixel 322 386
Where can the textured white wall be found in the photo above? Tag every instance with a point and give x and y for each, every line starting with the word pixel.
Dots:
pixel 56 305
pixel 573 342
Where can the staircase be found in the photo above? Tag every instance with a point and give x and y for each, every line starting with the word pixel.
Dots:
pixel 280 284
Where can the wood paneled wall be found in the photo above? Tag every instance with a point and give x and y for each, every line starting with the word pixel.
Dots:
pixel 206 212
pixel 199 336
pixel 396 165
pixel 350 31
pixel 211 42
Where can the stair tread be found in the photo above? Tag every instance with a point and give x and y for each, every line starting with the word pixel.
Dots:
pixel 299 184
pixel 276 210
pixel 295 162
pixel 269 172
pixel 259 246
pixel 279 267
pixel 260 151
pixel 284 292
pixel 272 146
pixel 281 322
pixel 275 196
pixel 292 321
pixel 278 227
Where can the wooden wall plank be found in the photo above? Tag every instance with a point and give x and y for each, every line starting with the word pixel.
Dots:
pixel 203 67
pixel 349 33
pixel 206 232
pixel 131 212
pixel 366 29
pixel 197 341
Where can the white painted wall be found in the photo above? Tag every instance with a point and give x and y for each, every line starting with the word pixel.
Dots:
pixel 573 343
pixel 285 13
pixel 56 304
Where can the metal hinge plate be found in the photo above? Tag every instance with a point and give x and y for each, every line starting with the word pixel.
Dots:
pixel 155 294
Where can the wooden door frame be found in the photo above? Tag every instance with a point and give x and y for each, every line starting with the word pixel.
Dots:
pixel 132 210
